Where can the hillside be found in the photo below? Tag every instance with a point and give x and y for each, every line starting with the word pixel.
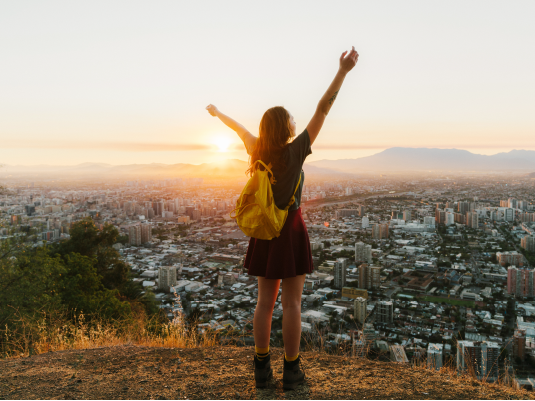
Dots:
pixel 231 168
pixel 134 372
pixel 431 159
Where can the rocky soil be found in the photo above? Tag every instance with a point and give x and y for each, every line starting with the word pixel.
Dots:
pixel 133 372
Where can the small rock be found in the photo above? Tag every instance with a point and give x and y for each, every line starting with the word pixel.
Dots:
pixel 237 395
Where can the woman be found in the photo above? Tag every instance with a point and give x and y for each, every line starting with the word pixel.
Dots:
pixel 287 257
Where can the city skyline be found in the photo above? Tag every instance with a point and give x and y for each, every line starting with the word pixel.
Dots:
pixel 122 84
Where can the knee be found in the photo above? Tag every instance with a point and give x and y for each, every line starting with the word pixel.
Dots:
pixel 265 306
pixel 291 304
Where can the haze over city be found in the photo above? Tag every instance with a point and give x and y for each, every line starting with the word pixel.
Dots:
pixel 128 82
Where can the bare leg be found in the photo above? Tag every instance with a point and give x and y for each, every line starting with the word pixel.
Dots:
pixel 292 289
pixel 268 290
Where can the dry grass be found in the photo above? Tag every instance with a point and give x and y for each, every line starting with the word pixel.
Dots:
pixel 134 372
pixel 49 333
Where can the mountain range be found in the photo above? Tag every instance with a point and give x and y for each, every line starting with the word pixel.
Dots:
pixel 231 168
pixel 390 160
pixel 432 159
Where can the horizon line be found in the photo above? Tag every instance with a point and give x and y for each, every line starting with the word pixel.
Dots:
pixel 238 159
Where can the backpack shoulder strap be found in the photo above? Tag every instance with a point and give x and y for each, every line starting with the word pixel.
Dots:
pixel 268 168
pixel 292 201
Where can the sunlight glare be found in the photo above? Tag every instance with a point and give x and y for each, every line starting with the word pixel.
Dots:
pixel 222 143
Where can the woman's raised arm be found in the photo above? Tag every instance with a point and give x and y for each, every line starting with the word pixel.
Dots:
pixel 248 139
pixel 346 64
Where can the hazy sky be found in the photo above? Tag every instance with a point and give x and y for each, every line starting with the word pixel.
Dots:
pixel 125 82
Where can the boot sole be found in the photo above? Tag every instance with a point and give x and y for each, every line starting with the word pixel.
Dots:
pixel 265 384
pixel 292 386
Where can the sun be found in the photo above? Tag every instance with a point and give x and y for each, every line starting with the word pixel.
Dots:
pixel 222 143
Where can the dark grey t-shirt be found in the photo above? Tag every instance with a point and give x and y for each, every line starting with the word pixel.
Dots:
pixel 294 156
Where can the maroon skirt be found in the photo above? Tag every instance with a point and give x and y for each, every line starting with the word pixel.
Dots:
pixel 285 256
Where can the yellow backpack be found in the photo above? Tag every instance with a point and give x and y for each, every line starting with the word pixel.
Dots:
pixel 256 212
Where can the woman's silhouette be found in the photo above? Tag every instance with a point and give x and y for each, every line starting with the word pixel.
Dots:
pixel 287 257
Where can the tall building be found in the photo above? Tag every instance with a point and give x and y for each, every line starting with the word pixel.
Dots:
pixel 519 344
pixel 380 231
pixel 440 216
pixel 449 218
pixel 366 338
pixel 134 235
pixel 363 252
pixel 435 356
pixel 463 207
pixel 166 277
pixel 407 215
pixel 365 222
pixel 512 203
pixel 159 208
pixel 528 243
pixel 526 217
pixel 146 233
pixel 369 276
pixel 384 312
pixel 520 282
pixel 359 309
pixel 512 257
pixel 509 214
pixel 472 219
pixel 479 358
pixel 340 267
pixel 362 210
pixel 429 221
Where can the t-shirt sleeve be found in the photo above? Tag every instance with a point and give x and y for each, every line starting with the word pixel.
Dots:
pixel 301 146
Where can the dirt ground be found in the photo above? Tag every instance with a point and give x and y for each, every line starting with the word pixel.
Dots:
pixel 132 372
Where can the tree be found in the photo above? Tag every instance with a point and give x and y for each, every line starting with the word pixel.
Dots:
pixel 28 283
pixel 82 290
pixel 87 240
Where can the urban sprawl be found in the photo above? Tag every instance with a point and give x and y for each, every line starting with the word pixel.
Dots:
pixel 437 269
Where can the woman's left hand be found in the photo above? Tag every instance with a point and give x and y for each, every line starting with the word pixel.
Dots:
pixel 212 110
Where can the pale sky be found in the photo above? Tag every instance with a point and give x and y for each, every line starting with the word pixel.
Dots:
pixel 126 82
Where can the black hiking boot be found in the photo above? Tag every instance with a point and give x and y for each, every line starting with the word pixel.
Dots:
pixel 292 375
pixel 262 371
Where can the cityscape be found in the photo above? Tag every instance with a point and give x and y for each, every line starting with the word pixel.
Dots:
pixel 428 268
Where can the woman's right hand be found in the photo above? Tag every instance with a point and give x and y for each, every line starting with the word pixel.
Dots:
pixel 212 110
pixel 347 63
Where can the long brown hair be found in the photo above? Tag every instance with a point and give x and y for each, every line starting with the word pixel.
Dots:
pixel 275 133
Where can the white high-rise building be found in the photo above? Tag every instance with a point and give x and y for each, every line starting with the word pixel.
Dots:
pixel 429 221
pixel 407 215
pixel 435 355
pixel 365 222
pixel 359 309
pixel 450 218
pixel 340 267
pixel 512 203
pixel 363 252
pixel 510 214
